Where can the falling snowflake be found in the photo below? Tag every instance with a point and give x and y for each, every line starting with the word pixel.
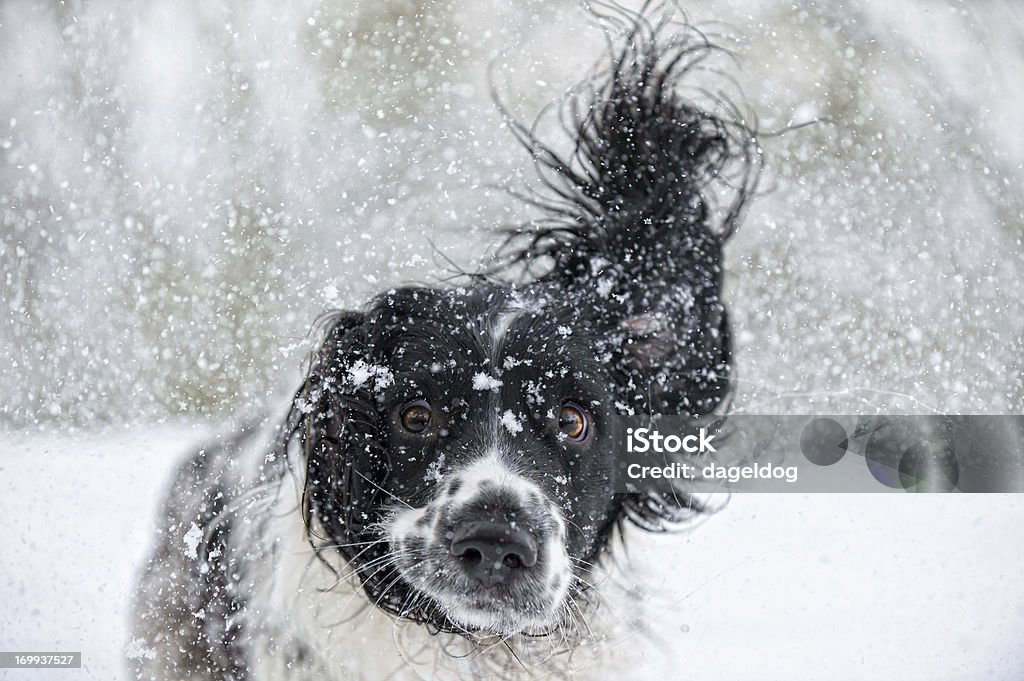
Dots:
pixel 482 381
pixel 191 541
pixel 511 422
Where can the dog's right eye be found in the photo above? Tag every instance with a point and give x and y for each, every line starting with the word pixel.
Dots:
pixel 416 416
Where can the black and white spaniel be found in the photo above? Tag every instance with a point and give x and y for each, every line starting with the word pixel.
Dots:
pixel 436 500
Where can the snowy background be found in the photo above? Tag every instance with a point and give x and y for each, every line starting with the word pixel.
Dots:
pixel 185 186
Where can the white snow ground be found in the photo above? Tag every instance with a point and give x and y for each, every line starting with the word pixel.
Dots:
pixel 909 587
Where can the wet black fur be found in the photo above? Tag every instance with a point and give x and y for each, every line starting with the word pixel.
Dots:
pixel 630 242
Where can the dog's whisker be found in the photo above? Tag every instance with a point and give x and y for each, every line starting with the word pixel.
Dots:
pixel 345 545
pixel 390 494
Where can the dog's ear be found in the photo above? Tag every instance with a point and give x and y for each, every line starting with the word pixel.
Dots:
pixel 335 420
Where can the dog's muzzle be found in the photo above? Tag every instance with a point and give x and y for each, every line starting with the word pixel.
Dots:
pixel 489 548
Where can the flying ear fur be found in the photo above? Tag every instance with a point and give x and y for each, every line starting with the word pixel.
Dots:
pixel 644 161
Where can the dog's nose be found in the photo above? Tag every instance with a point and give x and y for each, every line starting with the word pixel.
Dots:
pixel 492 552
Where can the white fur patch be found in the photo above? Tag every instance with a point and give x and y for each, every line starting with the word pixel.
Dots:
pixel 503 323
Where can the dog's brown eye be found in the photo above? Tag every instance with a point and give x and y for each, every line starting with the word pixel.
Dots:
pixel 572 423
pixel 416 416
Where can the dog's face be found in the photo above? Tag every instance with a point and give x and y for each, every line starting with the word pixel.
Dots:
pixel 496 424
pixel 489 415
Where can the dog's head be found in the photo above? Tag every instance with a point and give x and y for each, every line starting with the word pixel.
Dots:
pixel 460 448
pixel 466 433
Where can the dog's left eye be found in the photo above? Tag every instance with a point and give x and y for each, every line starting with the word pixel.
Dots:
pixel 572 422
pixel 416 416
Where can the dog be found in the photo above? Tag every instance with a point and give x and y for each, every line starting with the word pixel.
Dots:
pixel 436 499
